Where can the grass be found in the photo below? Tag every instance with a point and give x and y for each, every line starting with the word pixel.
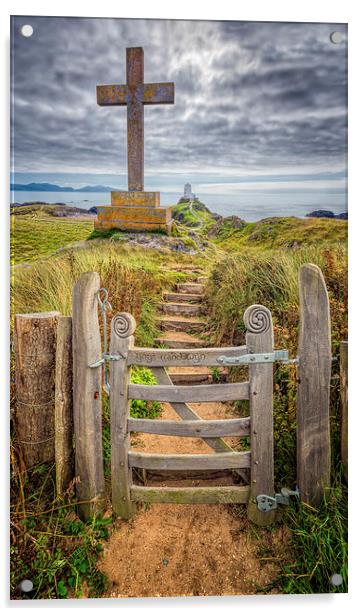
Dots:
pixel 134 277
pixel 319 540
pixel 270 277
pixel 34 237
pixel 287 232
pixel 257 263
pixel 50 545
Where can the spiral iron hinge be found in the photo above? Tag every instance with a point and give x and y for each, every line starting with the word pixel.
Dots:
pixel 267 503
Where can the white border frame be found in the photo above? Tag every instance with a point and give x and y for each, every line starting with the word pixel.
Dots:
pixel 334 11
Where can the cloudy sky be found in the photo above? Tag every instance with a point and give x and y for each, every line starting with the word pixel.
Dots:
pixel 259 115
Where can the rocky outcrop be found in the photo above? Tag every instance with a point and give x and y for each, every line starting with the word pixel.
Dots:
pixel 327 214
pixel 230 223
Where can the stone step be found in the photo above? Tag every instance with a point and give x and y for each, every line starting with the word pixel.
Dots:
pixel 190 287
pixel 180 340
pixel 195 374
pixel 182 297
pixel 181 309
pixel 178 323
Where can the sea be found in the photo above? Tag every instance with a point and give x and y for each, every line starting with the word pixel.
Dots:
pixel 249 207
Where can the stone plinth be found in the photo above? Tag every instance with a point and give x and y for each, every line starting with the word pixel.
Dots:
pixel 137 197
pixel 134 211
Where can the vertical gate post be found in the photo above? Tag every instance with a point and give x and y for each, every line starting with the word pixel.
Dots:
pixel 123 326
pixel 63 411
pixel 34 350
pixel 313 393
pixel 260 339
pixel 87 397
pixel 344 405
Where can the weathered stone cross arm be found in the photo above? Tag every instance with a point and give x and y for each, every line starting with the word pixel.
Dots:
pixel 150 94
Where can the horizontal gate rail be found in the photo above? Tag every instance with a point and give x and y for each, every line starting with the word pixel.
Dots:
pixel 182 357
pixel 196 496
pixel 186 393
pixel 203 428
pixel 184 462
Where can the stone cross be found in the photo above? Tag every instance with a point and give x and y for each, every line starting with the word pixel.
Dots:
pixel 135 94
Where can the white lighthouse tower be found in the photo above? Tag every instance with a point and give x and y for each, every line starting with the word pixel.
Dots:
pixel 188 192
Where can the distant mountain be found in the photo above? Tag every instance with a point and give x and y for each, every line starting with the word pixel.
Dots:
pixel 98 188
pixel 45 187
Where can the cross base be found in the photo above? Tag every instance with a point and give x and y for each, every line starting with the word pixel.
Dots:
pixel 134 211
pixel 135 197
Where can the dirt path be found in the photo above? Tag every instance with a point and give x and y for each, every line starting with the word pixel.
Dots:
pixel 178 550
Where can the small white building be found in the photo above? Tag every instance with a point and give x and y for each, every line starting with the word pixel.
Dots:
pixel 188 192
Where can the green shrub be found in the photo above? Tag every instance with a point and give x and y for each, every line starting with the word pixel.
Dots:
pixel 144 409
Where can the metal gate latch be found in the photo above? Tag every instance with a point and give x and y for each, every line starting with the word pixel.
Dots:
pixel 256 358
pixel 268 503
pixel 106 357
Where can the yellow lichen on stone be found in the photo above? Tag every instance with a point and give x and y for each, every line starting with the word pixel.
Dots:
pixel 134 213
pixel 130 198
pixel 134 218
pixel 133 226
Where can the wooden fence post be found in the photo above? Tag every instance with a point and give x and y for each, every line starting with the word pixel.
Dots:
pixel 344 405
pixel 34 347
pixel 63 416
pixel 87 397
pixel 123 326
pixel 260 339
pixel 313 392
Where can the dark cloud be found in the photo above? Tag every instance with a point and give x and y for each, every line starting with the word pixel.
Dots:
pixel 248 95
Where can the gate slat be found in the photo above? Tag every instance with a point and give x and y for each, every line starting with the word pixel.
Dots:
pixel 224 427
pixel 186 393
pixel 313 392
pixel 260 339
pixel 190 495
pixel 175 462
pixel 122 328
pixel 182 357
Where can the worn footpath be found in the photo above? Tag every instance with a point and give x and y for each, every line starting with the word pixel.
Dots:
pixel 171 549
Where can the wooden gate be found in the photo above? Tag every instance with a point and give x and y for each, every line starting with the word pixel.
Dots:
pixel 258 426
pixel 256 466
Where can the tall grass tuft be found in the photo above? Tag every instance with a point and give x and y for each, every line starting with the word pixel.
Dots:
pixel 271 278
pixel 319 540
pixel 135 281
